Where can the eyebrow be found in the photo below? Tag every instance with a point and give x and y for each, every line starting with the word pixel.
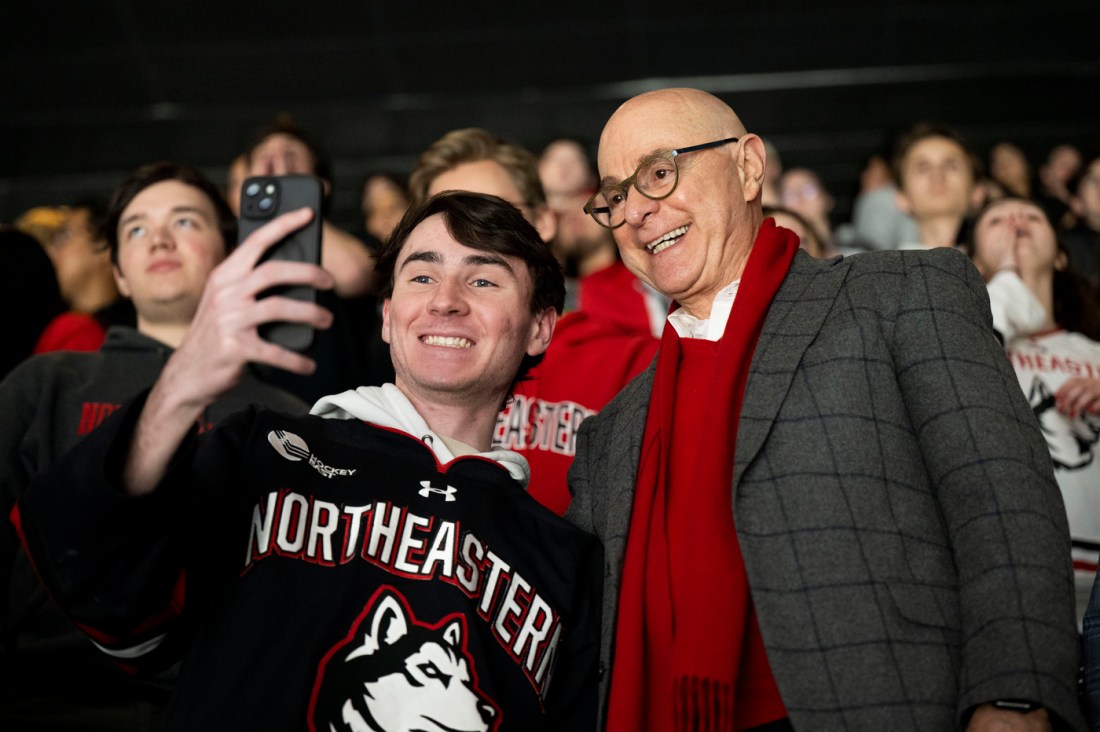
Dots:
pixel 174 210
pixel 474 260
pixel 610 180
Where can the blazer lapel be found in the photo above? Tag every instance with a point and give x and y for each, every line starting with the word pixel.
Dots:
pixel 793 321
pixel 627 430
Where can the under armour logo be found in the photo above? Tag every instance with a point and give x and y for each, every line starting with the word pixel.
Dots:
pixel 448 492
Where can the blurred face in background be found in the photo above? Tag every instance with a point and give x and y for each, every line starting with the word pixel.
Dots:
pixel 875 174
pixel 79 257
pixel 801 191
pixel 1021 225
pixel 1063 163
pixel 1009 168
pixel 937 178
pixel 384 203
pixel 281 154
pixel 564 169
pixel 1088 195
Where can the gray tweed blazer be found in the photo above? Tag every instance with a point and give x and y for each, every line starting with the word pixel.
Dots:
pixel 905 541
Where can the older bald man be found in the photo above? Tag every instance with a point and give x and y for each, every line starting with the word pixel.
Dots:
pixel 826 505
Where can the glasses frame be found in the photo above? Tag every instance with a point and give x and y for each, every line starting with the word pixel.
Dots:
pixel 632 182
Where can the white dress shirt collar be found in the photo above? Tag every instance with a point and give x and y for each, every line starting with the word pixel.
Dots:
pixel 711 329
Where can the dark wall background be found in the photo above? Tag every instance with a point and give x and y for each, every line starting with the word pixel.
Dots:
pixel 90 90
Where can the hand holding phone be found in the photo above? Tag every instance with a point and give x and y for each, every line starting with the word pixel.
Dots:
pixel 262 199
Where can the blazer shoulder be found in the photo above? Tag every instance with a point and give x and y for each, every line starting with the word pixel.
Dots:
pixel 948 258
pixel 627 407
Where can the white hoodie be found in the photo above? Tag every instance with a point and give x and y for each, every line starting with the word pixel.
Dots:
pixel 1016 311
pixel 387 406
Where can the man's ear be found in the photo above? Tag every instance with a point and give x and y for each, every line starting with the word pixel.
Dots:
pixel 902 202
pixel 386 320
pixel 1061 261
pixel 546 223
pixel 751 161
pixel 542 330
pixel 120 282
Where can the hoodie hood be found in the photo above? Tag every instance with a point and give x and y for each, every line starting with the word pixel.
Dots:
pixel 386 406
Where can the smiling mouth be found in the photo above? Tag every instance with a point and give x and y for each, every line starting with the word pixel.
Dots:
pixel 446 341
pixel 666 240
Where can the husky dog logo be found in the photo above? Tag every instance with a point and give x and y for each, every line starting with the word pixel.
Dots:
pixel 1071 441
pixel 393 674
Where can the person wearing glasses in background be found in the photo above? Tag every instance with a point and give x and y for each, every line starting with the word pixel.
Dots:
pixel 827 504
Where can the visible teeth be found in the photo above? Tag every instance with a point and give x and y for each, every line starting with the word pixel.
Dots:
pixel 664 242
pixel 448 341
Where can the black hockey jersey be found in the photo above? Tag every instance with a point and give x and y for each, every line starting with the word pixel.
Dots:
pixel 50 674
pixel 319 572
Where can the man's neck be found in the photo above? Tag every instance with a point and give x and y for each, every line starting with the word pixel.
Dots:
pixel 472 425
pixel 939 231
pixel 170 334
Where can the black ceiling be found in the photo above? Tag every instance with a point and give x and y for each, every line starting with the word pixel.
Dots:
pixel 90 90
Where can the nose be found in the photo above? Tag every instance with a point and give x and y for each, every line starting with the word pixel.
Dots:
pixel 162 238
pixel 1017 222
pixel 638 208
pixel 448 298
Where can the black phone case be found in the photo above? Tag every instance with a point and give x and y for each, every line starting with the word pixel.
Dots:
pixel 285 193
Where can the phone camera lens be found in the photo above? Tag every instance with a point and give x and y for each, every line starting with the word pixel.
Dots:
pixel 252 189
pixel 265 203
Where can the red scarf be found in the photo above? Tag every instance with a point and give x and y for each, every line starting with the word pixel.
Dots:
pixel 688 652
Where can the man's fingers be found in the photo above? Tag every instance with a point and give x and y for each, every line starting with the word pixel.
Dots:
pixel 283 272
pixel 280 309
pixel 275 355
pixel 252 249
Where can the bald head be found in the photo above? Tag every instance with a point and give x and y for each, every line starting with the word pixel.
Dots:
pixel 670 118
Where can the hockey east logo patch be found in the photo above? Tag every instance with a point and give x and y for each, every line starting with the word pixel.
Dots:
pixel 393 673
pixel 294 448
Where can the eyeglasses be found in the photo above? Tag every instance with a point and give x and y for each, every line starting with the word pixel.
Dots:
pixel 655 178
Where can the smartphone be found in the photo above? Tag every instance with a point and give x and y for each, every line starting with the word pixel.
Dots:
pixel 262 199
